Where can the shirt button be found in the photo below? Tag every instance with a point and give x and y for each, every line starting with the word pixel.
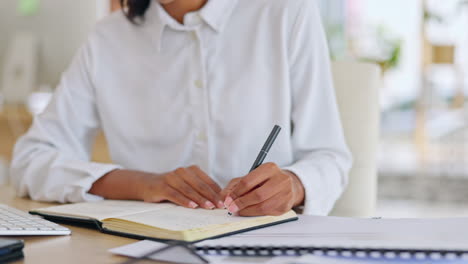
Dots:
pixel 197 19
pixel 202 136
pixel 194 35
pixel 199 84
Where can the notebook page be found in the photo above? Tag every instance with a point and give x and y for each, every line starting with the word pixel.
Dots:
pixel 104 209
pixel 180 218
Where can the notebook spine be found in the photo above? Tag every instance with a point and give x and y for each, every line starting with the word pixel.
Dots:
pixel 333 252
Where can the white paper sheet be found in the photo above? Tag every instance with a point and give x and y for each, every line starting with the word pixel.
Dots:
pixel 435 234
pixel 142 248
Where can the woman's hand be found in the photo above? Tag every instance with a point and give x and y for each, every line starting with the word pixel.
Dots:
pixel 189 187
pixel 267 190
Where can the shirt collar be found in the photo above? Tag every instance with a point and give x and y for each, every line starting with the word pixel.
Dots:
pixel 215 13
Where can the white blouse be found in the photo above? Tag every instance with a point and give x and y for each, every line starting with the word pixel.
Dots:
pixel 205 93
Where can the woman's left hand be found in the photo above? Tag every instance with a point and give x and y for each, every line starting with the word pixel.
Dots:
pixel 267 190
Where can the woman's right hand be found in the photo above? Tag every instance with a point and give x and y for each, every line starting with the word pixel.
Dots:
pixel 189 187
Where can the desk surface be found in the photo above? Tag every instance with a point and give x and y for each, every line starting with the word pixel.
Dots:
pixel 83 246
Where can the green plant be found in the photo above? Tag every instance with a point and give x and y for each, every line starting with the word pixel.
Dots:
pixel 28 7
pixel 428 16
pixel 394 59
pixel 390 50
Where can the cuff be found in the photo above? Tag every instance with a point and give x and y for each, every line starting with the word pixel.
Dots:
pixel 78 189
pixel 321 188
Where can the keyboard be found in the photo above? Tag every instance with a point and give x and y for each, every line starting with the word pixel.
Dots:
pixel 14 222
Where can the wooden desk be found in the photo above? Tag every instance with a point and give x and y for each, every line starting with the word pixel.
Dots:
pixel 83 246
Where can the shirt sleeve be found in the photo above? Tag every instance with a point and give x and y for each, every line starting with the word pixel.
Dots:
pixel 51 162
pixel 322 158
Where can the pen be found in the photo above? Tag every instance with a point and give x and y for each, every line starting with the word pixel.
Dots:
pixel 265 149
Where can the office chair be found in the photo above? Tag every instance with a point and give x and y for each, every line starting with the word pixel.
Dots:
pixel 357 89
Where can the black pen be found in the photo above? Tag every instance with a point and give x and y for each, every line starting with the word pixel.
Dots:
pixel 265 149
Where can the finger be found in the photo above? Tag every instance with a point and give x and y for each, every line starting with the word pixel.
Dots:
pixel 195 183
pixel 177 197
pixel 204 177
pixel 181 185
pixel 226 191
pixel 276 205
pixel 269 189
pixel 253 179
pixel 203 187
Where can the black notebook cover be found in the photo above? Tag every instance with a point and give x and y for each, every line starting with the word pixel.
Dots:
pixel 98 225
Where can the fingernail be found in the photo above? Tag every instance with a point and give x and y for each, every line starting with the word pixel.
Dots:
pixel 209 205
pixel 228 201
pixel 193 205
pixel 233 208
pixel 220 205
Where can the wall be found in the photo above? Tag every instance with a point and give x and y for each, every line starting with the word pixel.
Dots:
pixel 403 18
pixel 61 26
pixel 334 18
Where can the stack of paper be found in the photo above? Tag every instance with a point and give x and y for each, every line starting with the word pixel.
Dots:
pixel 336 232
pixel 424 235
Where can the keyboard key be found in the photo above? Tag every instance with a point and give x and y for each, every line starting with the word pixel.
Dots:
pixel 61 229
pixel 16 222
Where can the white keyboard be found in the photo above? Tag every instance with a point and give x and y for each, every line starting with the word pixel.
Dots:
pixel 14 222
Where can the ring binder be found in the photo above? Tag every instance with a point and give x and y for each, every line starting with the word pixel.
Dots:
pixel 372 253
pixel 365 239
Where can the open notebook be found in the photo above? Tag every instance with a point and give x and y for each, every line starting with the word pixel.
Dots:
pixel 164 221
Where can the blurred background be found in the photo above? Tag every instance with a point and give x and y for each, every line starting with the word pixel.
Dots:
pixel 420 45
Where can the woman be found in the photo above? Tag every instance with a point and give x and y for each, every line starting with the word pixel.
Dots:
pixel 186 92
